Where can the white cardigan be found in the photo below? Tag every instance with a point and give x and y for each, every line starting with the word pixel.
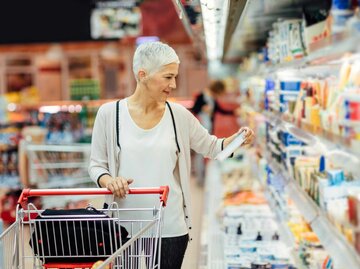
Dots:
pixel 191 134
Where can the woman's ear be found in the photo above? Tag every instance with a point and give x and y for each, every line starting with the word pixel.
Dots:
pixel 141 75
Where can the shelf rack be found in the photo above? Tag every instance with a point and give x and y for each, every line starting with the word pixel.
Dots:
pixel 333 241
pixel 296 127
pixel 322 52
pixel 212 253
pixel 52 166
pixel 285 234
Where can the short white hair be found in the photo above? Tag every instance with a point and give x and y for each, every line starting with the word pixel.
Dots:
pixel 152 56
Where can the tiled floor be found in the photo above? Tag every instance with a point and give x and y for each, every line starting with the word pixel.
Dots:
pixel 193 250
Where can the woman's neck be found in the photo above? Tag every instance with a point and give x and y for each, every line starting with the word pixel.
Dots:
pixel 142 102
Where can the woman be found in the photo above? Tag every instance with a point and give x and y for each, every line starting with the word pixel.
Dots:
pixel 144 141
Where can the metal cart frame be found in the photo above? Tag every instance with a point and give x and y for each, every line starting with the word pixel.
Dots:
pixel 142 248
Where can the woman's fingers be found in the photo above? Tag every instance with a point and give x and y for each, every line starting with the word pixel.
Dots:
pixel 249 135
pixel 119 186
pixel 110 187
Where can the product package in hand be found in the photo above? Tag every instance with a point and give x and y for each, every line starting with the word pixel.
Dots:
pixel 236 143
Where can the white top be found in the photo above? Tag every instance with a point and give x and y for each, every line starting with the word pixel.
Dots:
pixel 149 156
pixel 105 152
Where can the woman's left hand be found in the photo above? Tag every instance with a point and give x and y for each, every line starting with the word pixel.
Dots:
pixel 249 135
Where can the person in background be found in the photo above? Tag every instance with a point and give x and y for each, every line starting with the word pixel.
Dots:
pixel 144 141
pixel 205 107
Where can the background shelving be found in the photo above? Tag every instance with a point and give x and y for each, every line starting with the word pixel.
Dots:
pixel 339 248
pixel 311 133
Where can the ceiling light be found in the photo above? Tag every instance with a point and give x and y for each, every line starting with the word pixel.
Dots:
pixel 214 13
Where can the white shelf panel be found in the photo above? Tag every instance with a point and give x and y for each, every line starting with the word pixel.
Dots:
pixel 66 182
pixel 350 123
pixel 284 232
pixel 303 202
pixel 343 254
pixel 59 148
pixel 60 165
pixel 213 240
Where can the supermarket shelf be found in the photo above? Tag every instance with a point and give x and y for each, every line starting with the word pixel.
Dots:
pixel 307 207
pixel 90 103
pixel 58 148
pixel 185 101
pixel 60 165
pixel 335 46
pixel 308 132
pixel 350 123
pixel 213 253
pixel 333 241
pixel 353 97
pixel 66 182
pixel 285 234
pixel 322 52
pixel 277 169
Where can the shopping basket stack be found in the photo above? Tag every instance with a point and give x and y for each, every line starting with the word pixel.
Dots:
pixel 78 238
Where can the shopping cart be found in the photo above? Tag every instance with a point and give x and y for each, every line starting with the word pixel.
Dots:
pixel 41 239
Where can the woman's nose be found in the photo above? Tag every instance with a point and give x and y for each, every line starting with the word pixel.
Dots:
pixel 173 84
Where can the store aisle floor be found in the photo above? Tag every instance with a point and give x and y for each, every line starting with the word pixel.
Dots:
pixel 193 250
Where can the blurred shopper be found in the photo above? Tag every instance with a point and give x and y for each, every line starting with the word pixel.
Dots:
pixel 205 107
pixel 143 140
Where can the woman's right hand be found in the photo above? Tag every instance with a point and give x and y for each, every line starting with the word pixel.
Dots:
pixel 119 186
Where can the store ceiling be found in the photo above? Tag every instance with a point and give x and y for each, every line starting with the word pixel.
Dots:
pixel 43 21
pixel 245 29
pixel 161 19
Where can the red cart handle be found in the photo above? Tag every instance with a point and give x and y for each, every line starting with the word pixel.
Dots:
pixel 162 190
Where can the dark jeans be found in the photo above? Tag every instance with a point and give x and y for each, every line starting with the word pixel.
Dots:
pixel 173 251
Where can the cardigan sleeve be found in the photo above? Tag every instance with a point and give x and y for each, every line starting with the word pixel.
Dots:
pixel 98 156
pixel 200 139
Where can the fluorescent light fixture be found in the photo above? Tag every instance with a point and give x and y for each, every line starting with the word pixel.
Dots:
pixel 144 39
pixel 214 13
pixel 11 107
pixel 49 109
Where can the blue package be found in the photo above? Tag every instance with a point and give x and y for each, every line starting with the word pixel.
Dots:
pixel 341 4
pixel 336 177
pixel 248 249
pixel 280 266
pixel 290 85
pixel 284 97
pixel 287 139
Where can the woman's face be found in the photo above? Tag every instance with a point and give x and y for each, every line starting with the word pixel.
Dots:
pixel 160 84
